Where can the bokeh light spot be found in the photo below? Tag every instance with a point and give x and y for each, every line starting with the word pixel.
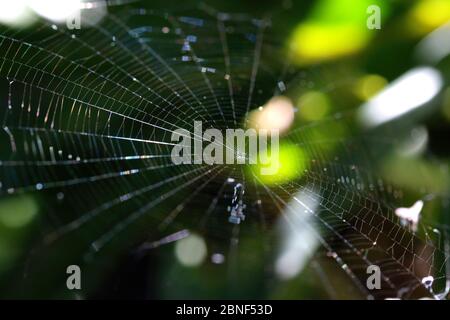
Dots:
pixel 191 251
pixel 325 34
pixel 369 85
pixel 314 43
pixel 276 114
pixel 313 105
pixel 17 212
pixel 290 165
pixel 427 15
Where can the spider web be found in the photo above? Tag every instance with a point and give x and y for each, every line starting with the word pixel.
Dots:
pixel 86 128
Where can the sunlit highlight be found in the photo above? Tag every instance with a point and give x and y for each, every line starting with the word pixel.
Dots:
pixel 15 13
pixel 416 143
pixel 410 91
pixel 435 46
pixel 299 238
pixel 55 10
